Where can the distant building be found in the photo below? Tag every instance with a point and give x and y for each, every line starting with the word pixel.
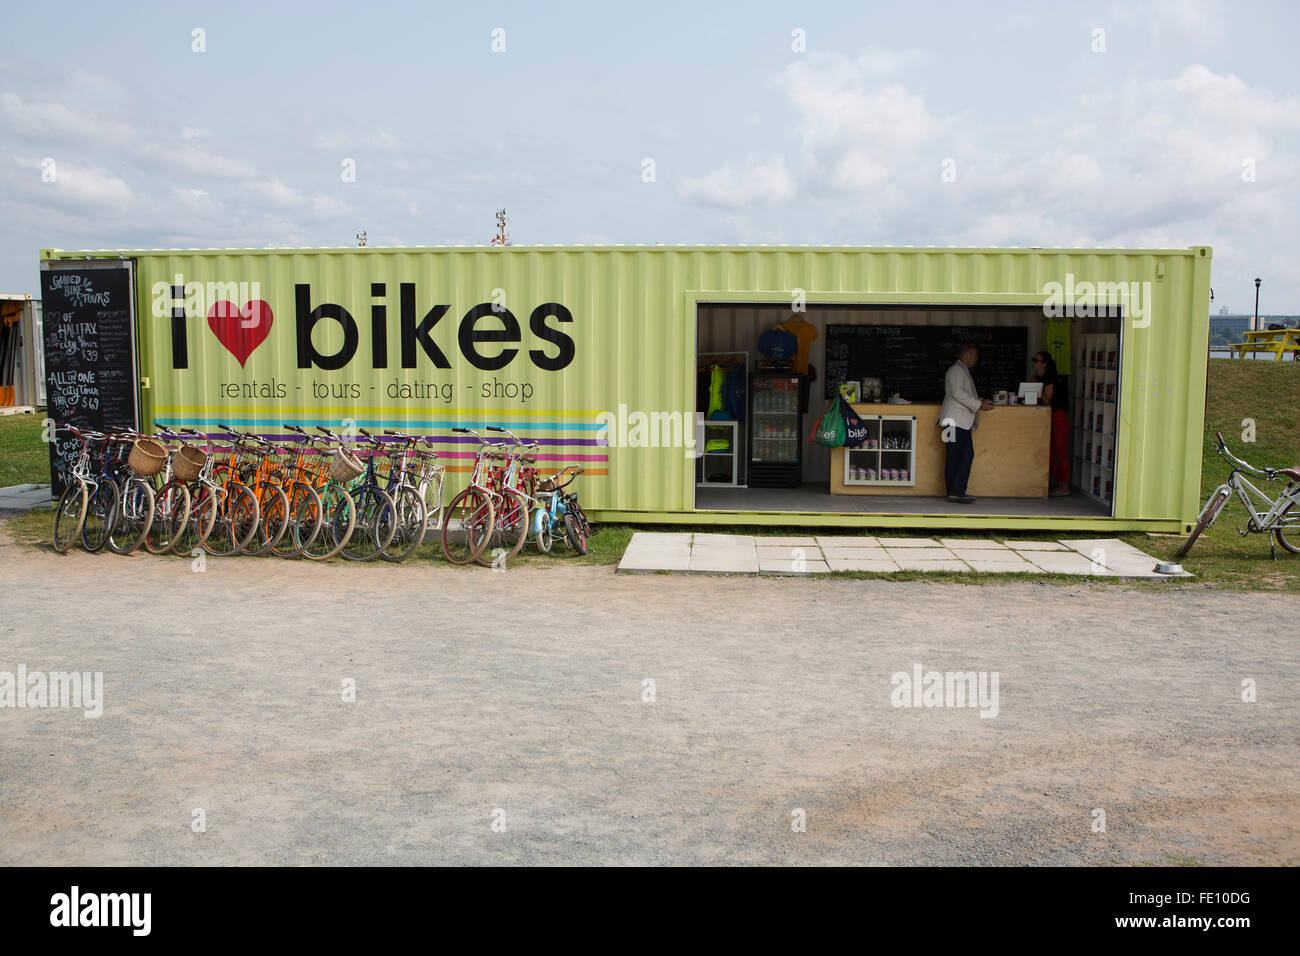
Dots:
pixel 1226 328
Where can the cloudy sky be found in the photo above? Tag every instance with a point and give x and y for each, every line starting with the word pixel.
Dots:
pixel 1157 124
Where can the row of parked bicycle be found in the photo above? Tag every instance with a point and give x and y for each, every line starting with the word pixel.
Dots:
pixel 310 495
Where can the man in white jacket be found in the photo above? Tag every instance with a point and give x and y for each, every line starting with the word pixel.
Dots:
pixel 958 417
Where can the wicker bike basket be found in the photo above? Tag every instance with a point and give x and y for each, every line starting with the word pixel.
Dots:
pixel 147 457
pixel 345 466
pixel 188 462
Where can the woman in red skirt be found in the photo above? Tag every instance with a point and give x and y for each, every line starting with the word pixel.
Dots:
pixel 1056 394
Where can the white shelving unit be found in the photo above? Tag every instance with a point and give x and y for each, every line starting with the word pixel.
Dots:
pixel 894 453
pixel 1096 401
pixel 711 461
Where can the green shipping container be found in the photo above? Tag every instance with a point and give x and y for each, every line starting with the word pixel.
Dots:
pixel 594 352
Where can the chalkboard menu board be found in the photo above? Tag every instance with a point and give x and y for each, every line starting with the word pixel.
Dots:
pixel 912 359
pixel 89 356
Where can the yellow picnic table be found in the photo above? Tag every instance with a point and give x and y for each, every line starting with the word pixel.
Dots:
pixel 1277 341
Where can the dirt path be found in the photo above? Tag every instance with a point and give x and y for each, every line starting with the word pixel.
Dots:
pixel 523 691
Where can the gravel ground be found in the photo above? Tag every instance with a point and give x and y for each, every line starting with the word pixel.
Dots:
pixel 523 692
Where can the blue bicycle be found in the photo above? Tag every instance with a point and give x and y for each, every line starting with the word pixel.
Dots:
pixel 558 510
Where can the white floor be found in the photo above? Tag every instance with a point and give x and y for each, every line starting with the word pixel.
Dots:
pixel 747 554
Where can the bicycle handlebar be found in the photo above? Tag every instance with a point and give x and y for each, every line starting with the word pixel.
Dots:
pixel 1266 472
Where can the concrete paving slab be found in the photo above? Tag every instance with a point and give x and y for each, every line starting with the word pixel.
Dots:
pixel 787 566
pixel 985 554
pixel 972 544
pixel 856 554
pixel 847 541
pixel 725 563
pixel 812 553
pixel 661 537
pixel 908 543
pixel 861 564
pixel 907 564
pixel 19 499
pixel 1123 558
pixel 1018 566
pixel 764 541
pixel 655 563
pixel 1037 546
pixel 921 554
pixel 1067 562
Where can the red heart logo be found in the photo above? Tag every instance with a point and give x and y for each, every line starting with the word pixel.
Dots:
pixel 240 330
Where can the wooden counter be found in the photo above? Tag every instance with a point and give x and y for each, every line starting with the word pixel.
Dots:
pixel 1012 445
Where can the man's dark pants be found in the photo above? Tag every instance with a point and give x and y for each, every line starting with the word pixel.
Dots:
pixel 961 452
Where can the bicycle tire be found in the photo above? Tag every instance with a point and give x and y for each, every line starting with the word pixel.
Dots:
pixel 305 520
pixel 202 519
pixel 510 527
pixel 101 511
pixel 574 536
pixel 544 538
pixel 273 507
pixel 376 524
pixel 69 516
pixel 411 519
pixel 171 512
pixel 472 512
pixel 135 506
pixel 237 519
pixel 1289 524
pixel 338 522
pixel 1206 518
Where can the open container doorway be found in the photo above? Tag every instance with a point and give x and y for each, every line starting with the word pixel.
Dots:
pixel 904 350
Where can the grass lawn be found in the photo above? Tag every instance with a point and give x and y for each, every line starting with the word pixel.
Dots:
pixel 24 458
pixel 1268 393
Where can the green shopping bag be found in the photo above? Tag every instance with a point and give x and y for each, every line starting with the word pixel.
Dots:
pixel 830 430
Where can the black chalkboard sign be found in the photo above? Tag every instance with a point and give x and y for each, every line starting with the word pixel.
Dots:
pixel 912 359
pixel 89 356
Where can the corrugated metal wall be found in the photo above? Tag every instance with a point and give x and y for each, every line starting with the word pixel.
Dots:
pixel 634 331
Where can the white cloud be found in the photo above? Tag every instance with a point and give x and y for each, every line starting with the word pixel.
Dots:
pixel 732 188
pixel 58 122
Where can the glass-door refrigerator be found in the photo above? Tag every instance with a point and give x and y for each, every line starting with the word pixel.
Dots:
pixel 775 430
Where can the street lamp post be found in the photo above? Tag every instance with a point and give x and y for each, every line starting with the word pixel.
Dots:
pixel 1254 323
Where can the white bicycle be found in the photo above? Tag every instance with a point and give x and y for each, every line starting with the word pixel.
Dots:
pixel 1280 518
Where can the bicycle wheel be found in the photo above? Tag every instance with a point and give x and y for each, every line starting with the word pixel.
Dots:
pixel 202 519
pixel 101 511
pixel 574 536
pixel 376 525
pixel 273 505
pixel 171 510
pixel 1208 514
pixel 305 518
pixel 1288 530
pixel 69 515
pixel 467 526
pixel 510 529
pixel 338 524
pixel 237 520
pixel 411 518
pixel 135 506
pixel 545 537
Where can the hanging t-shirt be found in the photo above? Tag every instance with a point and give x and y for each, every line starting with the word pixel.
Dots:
pixel 1056 342
pixel 778 344
pixel 806 334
